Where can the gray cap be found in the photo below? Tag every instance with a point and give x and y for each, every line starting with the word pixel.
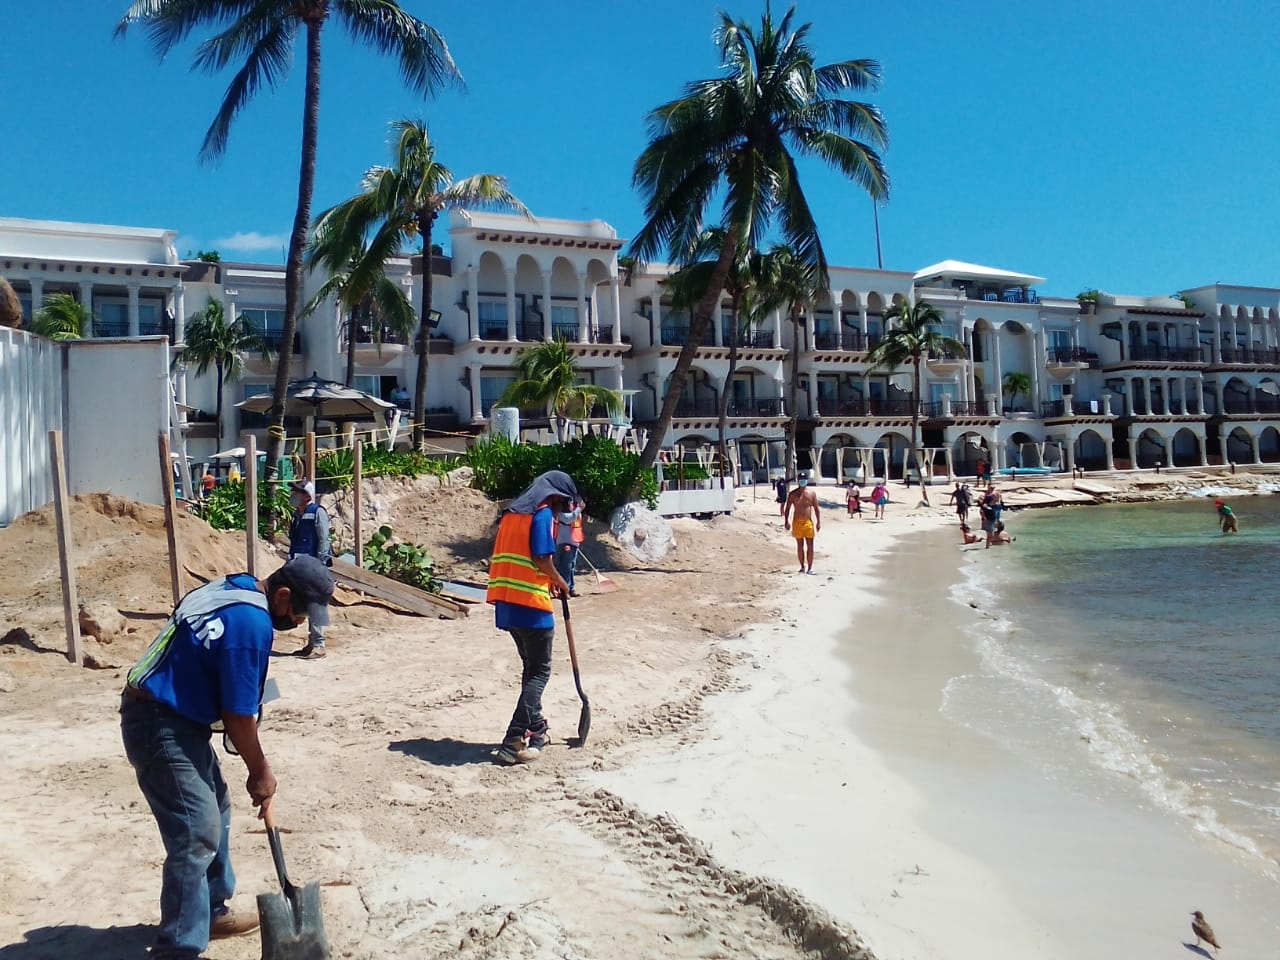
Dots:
pixel 310 583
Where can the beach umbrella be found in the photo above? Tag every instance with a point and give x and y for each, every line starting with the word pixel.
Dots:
pixel 322 399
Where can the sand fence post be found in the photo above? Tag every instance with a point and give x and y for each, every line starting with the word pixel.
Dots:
pixel 170 516
pixel 251 504
pixel 67 567
pixel 311 457
pixel 357 527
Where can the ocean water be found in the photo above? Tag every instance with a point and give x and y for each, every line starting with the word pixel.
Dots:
pixel 1134 649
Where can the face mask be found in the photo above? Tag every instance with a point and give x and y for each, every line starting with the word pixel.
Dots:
pixel 295 500
pixel 282 621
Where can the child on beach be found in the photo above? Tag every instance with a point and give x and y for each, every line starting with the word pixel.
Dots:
pixel 853 498
pixel 967 537
pixel 880 496
pixel 1227 517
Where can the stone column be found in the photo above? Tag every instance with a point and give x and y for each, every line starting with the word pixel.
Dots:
pixel 37 295
pixel 473 301
pixel 836 320
pixel 780 383
pixel 615 298
pixel 180 334
pixel 547 333
pixel 862 315
pixel 813 394
pixel 582 308
pixel 1215 351
pixel 1070 451
pixel 1257 448
pixel 997 384
pixel 1106 404
pixel 86 295
pixel 1037 365
pixel 655 299
pixel 473 374
pixel 133 309
pixel 1200 392
pixel 1133 453
pixel 1204 449
pixel 511 303
pixel 1108 447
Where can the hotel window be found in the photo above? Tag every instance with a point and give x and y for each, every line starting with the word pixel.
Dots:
pixel 491 388
pixel 112 318
pixel 264 320
pixel 369 385
pixel 939 390
pixel 491 314
pixel 564 321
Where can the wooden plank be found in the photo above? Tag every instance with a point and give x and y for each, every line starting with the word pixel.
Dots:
pixel 170 517
pixel 393 591
pixel 67 567
pixel 251 504
pixel 357 525
pixel 311 457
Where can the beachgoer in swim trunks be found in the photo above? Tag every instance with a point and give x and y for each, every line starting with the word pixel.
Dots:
pixel 808 521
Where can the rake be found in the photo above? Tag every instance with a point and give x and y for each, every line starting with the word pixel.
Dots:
pixel 603 583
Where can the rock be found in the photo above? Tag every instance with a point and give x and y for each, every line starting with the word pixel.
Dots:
pixel 7 683
pixel 641 532
pixel 98 657
pixel 101 621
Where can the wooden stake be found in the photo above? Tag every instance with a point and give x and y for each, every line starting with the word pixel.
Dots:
pixel 251 504
pixel 170 517
pixel 311 457
pixel 66 564
pixel 357 526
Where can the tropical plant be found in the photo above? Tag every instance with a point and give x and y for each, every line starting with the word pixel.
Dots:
pixel 606 475
pixel 548 379
pixel 210 341
pixel 209 256
pixel 62 318
pixel 738 136
pixel 367 296
pixel 911 336
pixel 1087 296
pixel 10 305
pixel 262 35
pixel 406 562
pixel 1016 383
pixel 224 509
pixel 787 282
pixel 403 202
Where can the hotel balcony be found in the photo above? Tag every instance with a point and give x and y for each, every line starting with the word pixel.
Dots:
pixel 1067 409
pixel 1248 356
pixel 851 342
pixel 946 363
pixel 875 407
pixel 531 331
pixel 1152 354
pixel 1258 405
pixel 763 407
pixel 677 334
pixel 947 409
pixel 1063 362
pixel 377 342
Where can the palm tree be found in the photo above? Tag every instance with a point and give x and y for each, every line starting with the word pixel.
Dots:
pixel 549 380
pixel 403 202
pixel 212 342
pixel 62 318
pixel 787 282
pixel 262 35
pixel 912 337
pixel 738 135
pixel 1016 383
pixel 362 289
pixel 10 305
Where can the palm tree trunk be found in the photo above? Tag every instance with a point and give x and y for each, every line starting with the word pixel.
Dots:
pixel 293 266
pixel 724 393
pixel 217 417
pixel 915 416
pixel 793 391
pixel 697 327
pixel 425 224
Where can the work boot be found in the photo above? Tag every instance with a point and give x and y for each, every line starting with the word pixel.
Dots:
pixel 534 746
pixel 232 923
pixel 509 752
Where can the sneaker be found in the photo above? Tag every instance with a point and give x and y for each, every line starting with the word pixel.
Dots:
pixel 232 923
pixel 509 752
pixel 311 652
pixel 534 746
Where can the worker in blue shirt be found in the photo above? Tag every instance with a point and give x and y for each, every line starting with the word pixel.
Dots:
pixel 309 537
pixel 207 669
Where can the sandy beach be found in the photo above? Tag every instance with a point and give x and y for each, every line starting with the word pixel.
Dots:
pixel 769 773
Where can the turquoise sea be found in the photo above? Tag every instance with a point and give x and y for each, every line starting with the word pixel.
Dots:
pixel 1144 635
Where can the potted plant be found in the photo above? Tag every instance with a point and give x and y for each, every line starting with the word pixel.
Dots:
pixel 1088 302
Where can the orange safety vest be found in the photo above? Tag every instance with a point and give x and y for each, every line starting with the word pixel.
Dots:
pixel 576 532
pixel 513 578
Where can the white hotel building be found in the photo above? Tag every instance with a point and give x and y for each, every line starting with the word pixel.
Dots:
pixel 1123 382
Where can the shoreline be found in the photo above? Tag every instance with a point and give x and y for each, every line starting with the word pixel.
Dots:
pixel 923 835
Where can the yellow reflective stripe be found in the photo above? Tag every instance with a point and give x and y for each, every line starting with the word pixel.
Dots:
pixel 517 559
pixel 154 652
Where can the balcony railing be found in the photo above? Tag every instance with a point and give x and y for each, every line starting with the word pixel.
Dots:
pixel 1067 355
pixel 755 408
pixel 1050 409
pixel 493 331
pixel 872 408
pixel 274 338
pixel 567 332
pixel 110 328
pixel 602 334
pixel 948 355
pixel 367 333
pixel 697 408
pixel 1259 403
pixel 1258 355
pixel 530 331
pixel 1152 353
pixel 758 339
pixel 853 342
pixel 675 335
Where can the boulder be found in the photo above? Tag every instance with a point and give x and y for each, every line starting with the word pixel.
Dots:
pixel 101 621
pixel 640 531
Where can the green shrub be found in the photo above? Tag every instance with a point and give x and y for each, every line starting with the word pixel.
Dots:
pixel 406 562
pixel 338 467
pixel 224 508
pixel 606 475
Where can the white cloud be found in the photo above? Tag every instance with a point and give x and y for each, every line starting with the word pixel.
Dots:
pixel 253 241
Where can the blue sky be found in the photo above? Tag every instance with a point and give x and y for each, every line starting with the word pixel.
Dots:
pixel 1126 146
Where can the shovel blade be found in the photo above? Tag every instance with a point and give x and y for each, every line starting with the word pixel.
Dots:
pixel 293 927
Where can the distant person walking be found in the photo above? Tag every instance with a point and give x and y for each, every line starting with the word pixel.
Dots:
pixel 309 537
pixel 808 520
pixel 781 485
pixel 960 497
pixel 569 538
pixel 1227 517
pixel 879 497
pixel 853 499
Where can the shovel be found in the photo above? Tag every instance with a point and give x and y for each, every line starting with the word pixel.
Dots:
pixel 584 718
pixel 292 926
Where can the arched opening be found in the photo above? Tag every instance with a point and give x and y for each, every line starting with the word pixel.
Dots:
pixel 888 455
pixel 1151 451
pixel 1239 446
pixel 1022 451
pixel 829 464
pixel 698 398
pixel 1091 451
pixel 966 451
pixel 1186 449
pixel 1269 445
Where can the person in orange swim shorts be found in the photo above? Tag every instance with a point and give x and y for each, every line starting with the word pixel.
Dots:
pixel 807 522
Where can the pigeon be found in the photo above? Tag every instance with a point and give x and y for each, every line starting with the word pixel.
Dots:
pixel 1200 927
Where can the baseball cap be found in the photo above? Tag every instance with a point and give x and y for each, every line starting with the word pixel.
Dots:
pixel 310 583
pixel 305 486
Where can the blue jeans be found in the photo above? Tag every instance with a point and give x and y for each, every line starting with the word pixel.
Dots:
pixel 178 772
pixel 567 561
pixel 534 647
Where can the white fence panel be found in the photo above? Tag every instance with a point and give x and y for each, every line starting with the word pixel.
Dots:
pixel 31 380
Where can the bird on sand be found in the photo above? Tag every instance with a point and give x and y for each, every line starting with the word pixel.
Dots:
pixel 1200 927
